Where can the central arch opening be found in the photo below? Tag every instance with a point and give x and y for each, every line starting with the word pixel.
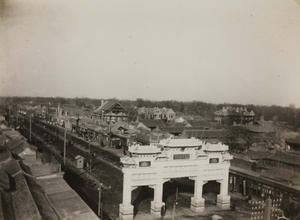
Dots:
pixel 210 191
pixel 178 192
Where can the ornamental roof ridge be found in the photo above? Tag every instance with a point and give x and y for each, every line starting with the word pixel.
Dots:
pixel 216 147
pixel 181 142
pixel 144 149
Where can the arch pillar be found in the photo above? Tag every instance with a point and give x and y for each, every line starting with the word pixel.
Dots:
pixel 223 199
pixel 157 202
pixel 197 202
pixel 126 209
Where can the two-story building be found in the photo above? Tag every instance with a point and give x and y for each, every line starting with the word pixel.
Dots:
pixel 234 115
pixel 111 112
pixel 165 114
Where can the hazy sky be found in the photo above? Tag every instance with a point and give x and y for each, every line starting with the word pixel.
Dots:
pixel 231 51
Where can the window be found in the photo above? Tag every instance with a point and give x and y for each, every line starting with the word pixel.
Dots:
pixel 214 160
pixel 181 156
pixel 145 164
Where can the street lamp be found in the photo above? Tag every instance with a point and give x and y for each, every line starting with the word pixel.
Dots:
pixel 175 203
pixel 65 137
pixel 99 201
pixel 99 198
pixel 90 158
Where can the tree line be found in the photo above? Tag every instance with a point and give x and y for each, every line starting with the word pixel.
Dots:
pixel 289 115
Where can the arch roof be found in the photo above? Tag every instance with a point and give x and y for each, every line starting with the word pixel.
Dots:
pixel 145 149
pixel 193 142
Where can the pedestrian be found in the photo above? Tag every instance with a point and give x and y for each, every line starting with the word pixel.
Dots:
pixel 163 211
pixel 232 207
pixel 102 143
pixel 124 150
pixel 249 198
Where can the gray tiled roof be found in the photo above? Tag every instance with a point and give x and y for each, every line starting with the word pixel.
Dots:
pixel 295 140
pixel 172 130
pixel 203 134
pixel 194 123
pixel 152 122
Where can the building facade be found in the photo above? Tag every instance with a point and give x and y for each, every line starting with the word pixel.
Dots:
pixel 165 114
pixel 234 115
pixel 111 112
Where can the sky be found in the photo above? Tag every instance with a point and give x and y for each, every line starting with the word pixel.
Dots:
pixel 232 51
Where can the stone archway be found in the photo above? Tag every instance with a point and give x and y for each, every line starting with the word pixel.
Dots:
pixel 172 159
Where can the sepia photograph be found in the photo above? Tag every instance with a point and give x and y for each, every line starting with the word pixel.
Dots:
pixel 147 110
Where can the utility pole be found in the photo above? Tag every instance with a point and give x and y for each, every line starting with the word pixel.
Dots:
pixel 8 115
pixel 175 203
pixel 49 111
pixel 109 129
pixel 99 197
pixel 99 200
pixel 90 158
pixel 65 143
pixel 17 119
pixel 30 127
pixel 101 217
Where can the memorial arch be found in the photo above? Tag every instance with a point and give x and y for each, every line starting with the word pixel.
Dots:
pixel 154 165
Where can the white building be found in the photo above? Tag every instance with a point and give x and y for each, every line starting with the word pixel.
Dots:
pixel 175 158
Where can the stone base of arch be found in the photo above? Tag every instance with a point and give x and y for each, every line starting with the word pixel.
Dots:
pixel 197 205
pixel 223 202
pixel 156 208
pixel 126 212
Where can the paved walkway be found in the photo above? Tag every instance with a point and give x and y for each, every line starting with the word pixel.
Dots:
pixel 183 211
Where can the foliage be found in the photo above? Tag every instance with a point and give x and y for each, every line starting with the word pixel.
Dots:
pixel 289 115
pixel 132 114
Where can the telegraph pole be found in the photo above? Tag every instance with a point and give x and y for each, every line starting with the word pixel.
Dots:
pixel 49 111
pixel 175 203
pixel 17 119
pixel 99 200
pixel 30 127
pixel 65 143
pixel 90 158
